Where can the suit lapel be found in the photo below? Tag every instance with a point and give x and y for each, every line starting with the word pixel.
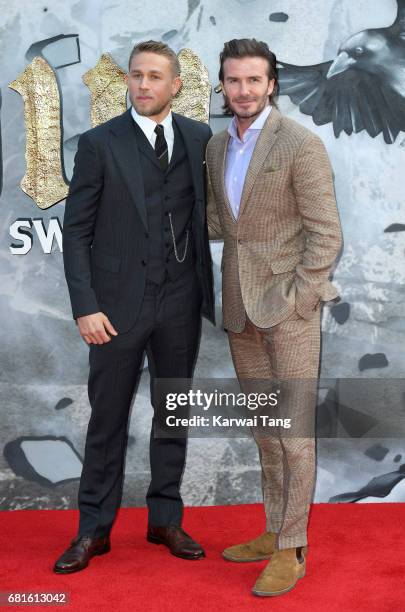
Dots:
pixel 264 144
pixel 123 143
pixel 192 143
pixel 144 145
pixel 222 153
pixel 178 150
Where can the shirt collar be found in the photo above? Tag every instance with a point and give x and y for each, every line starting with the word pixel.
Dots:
pixel 256 125
pixel 147 125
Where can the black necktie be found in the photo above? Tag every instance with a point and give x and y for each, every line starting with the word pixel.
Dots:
pixel 161 147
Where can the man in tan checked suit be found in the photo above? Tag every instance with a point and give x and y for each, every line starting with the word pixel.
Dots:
pixel 271 199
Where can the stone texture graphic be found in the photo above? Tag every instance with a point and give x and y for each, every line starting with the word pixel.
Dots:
pixel 45 363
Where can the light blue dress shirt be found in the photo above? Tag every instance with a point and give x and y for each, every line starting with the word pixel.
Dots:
pixel 239 154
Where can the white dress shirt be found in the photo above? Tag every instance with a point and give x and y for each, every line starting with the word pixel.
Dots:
pixel 148 128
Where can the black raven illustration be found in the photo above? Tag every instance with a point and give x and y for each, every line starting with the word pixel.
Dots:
pixel 380 486
pixel 363 88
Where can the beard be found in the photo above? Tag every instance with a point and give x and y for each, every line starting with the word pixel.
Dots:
pixel 261 102
pixel 150 111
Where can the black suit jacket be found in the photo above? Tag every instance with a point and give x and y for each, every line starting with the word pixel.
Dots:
pixel 105 229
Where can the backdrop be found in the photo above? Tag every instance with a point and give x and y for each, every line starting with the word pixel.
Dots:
pixel 341 69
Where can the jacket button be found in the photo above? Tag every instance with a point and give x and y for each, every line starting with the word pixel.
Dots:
pixel 143 262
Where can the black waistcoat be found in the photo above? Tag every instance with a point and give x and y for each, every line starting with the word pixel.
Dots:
pixel 169 199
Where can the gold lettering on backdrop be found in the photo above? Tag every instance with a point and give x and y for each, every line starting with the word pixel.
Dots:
pixel 193 100
pixel 108 90
pixel 44 179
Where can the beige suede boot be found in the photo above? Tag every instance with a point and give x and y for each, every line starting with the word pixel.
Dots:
pixel 281 573
pixel 256 550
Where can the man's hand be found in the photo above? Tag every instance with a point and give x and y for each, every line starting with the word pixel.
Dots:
pixel 96 328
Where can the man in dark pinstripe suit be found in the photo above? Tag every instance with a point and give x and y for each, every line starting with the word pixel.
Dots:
pixel 138 269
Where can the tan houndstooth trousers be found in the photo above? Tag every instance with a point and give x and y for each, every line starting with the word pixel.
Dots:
pixel 289 351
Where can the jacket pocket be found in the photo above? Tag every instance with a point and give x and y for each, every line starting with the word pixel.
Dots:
pixel 287 263
pixel 273 169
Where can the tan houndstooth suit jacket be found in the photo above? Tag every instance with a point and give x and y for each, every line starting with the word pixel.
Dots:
pixel 279 253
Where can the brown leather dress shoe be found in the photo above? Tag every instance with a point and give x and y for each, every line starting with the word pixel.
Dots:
pixel 177 541
pixel 79 553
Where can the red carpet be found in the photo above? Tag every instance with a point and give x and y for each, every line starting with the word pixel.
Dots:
pixel 356 562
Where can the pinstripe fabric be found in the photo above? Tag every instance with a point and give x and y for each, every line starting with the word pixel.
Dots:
pixel 276 263
pixel 278 255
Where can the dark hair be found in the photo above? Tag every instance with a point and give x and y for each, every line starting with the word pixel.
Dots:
pixel 154 46
pixel 238 48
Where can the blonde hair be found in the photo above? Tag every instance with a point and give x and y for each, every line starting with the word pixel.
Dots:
pixel 160 48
